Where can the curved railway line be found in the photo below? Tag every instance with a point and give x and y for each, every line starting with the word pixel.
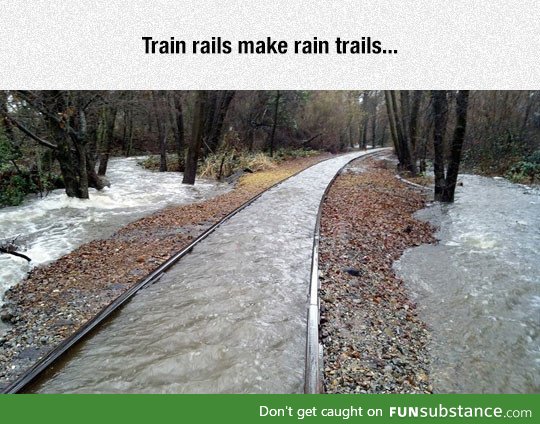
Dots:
pixel 312 375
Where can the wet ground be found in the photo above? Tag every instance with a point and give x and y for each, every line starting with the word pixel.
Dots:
pixel 373 339
pixel 230 317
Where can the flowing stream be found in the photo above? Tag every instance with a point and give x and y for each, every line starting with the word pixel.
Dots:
pixel 50 227
pixel 228 318
pixel 479 288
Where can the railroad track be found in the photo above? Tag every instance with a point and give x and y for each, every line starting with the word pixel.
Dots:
pixel 311 380
pixel 314 350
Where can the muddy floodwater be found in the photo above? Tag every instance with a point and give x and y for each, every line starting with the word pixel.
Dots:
pixel 228 318
pixel 479 288
pixel 52 226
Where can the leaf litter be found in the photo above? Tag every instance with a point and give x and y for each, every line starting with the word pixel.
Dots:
pixel 373 340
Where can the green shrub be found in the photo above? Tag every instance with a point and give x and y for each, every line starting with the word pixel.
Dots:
pixel 152 162
pixel 14 188
pixel 534 158
pixel 526 171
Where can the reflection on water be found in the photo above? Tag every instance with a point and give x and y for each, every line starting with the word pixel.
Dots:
pixel 56 224
pixel 228 318
pixel 479 288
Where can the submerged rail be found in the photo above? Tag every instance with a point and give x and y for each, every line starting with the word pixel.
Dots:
pixel 314 351
pixel 32 374
pixel 55 354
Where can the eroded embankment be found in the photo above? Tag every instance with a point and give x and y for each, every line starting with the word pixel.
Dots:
pixel 55 300
pixel 373 340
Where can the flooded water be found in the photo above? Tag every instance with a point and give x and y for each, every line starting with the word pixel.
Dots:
pixel 56 224
pixel 479 288
pixel 228 318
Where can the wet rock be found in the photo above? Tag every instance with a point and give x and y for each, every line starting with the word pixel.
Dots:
pixel 7 315
pixel 354 272
pixel 30 353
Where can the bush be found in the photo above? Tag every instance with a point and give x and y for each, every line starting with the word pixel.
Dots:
pixel 14 188
pixel 526 171
pixel 534 158
pixel 226 162
pixel 286 154
pixel 152 163
pixel 222 165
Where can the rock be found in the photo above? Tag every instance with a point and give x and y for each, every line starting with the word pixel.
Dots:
pixel 354 272
pixel 7 315
pixel 30 353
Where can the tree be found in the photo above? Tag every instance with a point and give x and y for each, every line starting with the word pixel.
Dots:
pixel 161 113
pixel 274 122
pixel 217 106
pixel 106 136
pixel 398 119
pixel 439 104
pixel 178 126
pixel 445 185
pixel 462 102
pixel 65 114
pixel 197 135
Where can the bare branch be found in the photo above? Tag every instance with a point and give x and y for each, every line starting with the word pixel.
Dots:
pixel 20 255
pixel 30 134
pixel 10 248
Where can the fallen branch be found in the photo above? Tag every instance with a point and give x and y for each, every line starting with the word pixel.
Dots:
pixel 306 142
pixel 10 248
pixel 14 253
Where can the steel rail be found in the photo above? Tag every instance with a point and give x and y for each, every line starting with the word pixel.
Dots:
pixel 51 357
pixel 314 351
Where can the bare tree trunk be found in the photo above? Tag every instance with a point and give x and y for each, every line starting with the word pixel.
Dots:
pixel 392 122
pixel 196 138
pixel 69 159
pixel 178 128
pixel 6 123
pixel 383 134
pixel 251 138
pixel 440 109
pixel 374 129
pixel 462 101
pixel 405 158
pixel 413 124
pixel 364 132
pixel 215 118
pixel 397 120
pixel 110 120
pixel 162 131
pixel 274 124
pixel 129 136
pixel 405 112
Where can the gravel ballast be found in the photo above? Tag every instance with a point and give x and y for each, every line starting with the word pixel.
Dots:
pixel 373 339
